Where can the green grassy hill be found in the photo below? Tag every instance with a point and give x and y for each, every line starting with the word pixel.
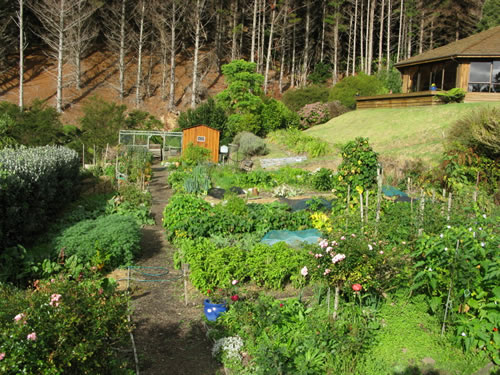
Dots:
pixel 397 132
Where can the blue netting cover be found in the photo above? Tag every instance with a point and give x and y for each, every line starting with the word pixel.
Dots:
pixel 391 191
pixel 292 238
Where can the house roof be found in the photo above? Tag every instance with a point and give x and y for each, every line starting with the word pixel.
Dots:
pixel 196 126
pixel 484 44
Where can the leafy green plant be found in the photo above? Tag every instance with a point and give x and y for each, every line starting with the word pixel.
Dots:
pixel 207 113
pixel 323 179
pixel 359 164
pixel 198 181
pixel 455 95
pixel 193 155
pixel 63 326
pixel 300 143
pixel 320 73
pixel 361 84
pixel 297 98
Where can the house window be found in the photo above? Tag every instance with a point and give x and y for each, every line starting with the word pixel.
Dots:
pixel 484 76
pixel 200 138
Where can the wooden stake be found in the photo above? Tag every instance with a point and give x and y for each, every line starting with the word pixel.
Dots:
pixel 185 271
pixel 336 302
pixel 83 156
pixel 448 302
pixel 328 301
pixel 361 208
pixel 422 207
pixel 449 207
pixel 93 158
pixel 379 197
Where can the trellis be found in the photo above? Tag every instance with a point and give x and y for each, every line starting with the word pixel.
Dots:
pixel 171 141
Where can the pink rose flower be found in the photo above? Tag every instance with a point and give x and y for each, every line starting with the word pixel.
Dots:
pixel 2 356
pixel 32 336
pixel 234 282
pixel 304 271
pixel 18 317
pixel 357 287
pixel 235 298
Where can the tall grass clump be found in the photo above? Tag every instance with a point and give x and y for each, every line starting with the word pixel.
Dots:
pixel 300 143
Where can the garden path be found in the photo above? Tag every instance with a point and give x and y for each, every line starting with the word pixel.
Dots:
pixel 169 336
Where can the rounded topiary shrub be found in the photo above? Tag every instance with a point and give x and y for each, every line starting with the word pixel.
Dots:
pixel 313 114
pixel 108 242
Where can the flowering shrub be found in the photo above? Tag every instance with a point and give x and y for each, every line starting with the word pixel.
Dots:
pixel 313 114
pixel 36 182
pixel 62 327
pixel 359 164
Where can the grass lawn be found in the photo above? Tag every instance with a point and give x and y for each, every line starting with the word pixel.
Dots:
pixel 414 132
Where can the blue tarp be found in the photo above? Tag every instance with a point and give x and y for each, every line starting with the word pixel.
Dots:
pixel 391 191
pixel 292 238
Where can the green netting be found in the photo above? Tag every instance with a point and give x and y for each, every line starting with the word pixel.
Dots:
pixel 292 238
pixel 391 191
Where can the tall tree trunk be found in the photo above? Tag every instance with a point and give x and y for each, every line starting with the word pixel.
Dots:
pixel 349 47
pixel 20 18
pixel 431 37
pixel 269 46
pixel 218 33
pixel 263 37
pixel 361 37
pixel 283 38
pixel 408 36
pixel 323 23
pixel 388 47
pixel 196 51
pixel 234 10
pixel 77 57
pixel 306 43
pixel 421 37
pixel 370 44
pixel 60 51
pixel 335 46
pixel 254 25
pixel 381 36
pixel 173 50
pixel 354 41
pixel 121 64
pixel 139 56
pixel 292 77
pixel 400 34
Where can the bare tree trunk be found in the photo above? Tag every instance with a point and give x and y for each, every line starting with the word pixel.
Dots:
pixel 254 25
pixel 336 46
pixel 421 38
pixel 283 38
pixel 263 37
pixel 354 41
pixel 408 36
pixel 234 10
pixel 431 41
pixel 381 36
pixel 139 56
pixel 306 43
pixel 173 50
pixel 349 47
pixel 400 30
pixel 121 64
pixel 361 37
pixel 196 51
pixel 60 51
pixel 370 44
pixel 323 23
pixel 269 46
pixel 20 18
pixel 388 47
pixel 292 77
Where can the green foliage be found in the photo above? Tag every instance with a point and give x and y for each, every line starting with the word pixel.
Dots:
pixel 143 120
pixel 101 122
pixel 455 95
pixel 207 113
pixel 275 115
pixel 107 242
pixel 38 182
pixel 391 80
pixel 249 144
pixel 198 182
pixel 193 155
pixel 320 73
pixel 250 122
pixel 6 126
pixel 297 98
pixel 490 15
pixel 363 85
pixel 136 164
pixel 313 114
pixel 359 164
pixel 36 125
pixel 300 143
pixel 323 179
pixel 132 201
pixel 479 130
pixel 77 325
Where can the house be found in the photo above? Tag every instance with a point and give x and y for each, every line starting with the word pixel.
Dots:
pixel 203 136
pixel 472 63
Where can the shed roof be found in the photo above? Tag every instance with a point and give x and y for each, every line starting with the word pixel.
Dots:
pixel 196 126
pixel 484 44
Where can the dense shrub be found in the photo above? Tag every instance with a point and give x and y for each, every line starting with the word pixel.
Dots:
pixel 275 115
pixel 193 155
pixel 207 113
pixel 391 80
pixel 107 242
pixel 479 130
pixel 297 98
pixel 336 109
pixel 359 85
pixel 249 144
pixel 101 122
pixel 36 125
pixel 143 120
pixel 63 327
pixel 359 164
pixel 323 179
pixel 313 114
pixel 320 73
pixel 35 184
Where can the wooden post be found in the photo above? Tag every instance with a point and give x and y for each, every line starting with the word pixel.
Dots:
pixel 106 155
pixel 328 301
pixel 422 207
pixel 448 302
pixel 185 272
pixel 379 194
pixel 361 208
pixel 347 206
pixel 367 193
pixel 444 202
pixel 449 207
pixel 83 156
pixel 93 159
pixel 336 302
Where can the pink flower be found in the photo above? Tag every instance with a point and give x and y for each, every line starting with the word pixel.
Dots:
pixel 2 356
pixel 18 317
pixel 356 287
pixel 52 280
pixel 234 282
pixel 328 249
pixel 327 271
pixel 381 252
pixel 235 298
pixel 281 305
pixel 54 299
pixel 353 235
pixel 342 238
pixel 337 258
pixel 32 336
pixel 323 243
pixel 304 271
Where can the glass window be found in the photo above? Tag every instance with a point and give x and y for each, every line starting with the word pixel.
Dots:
pixel 495 74
pixel 480 71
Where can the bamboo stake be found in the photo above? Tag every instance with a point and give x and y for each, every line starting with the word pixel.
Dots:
pixel 379 197
pixel 336 302
pixel 83 156
pixel 361 208
pixel 422 207
pixel 106 155
pixel 185 271
pixel 328 301
pixel 367 193
pixel 347 206
pixel 93 158
pixel 449 207
pixel 444 199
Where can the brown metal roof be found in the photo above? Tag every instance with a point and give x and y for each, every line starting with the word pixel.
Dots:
pixel 484 44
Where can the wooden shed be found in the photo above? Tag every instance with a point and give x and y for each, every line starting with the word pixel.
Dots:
pixel 203 136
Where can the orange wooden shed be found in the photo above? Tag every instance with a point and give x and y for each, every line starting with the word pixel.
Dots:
pixel 203 136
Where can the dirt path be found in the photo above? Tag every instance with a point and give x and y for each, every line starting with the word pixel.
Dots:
pixel 169 335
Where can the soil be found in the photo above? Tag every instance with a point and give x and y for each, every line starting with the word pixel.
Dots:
pixel 169 336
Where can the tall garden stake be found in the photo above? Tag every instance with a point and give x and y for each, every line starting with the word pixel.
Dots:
pixel 421 218
pixel 448 302
pixel 449 207
pixel 367 193
pixel 336 302
pixel 328 301
pixel 347 206
pixel 379 198
pixel 185 271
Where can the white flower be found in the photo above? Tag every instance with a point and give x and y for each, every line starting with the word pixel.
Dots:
pixel 441 235
pixel 448 226
pixel 370 247
pixel 482 244
pixel 470 229
pixel 445 249
pixel 304 271
pixel 430 269
pixel 484 216
pixel 230 346
pixel 463 334
pixel 380 252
